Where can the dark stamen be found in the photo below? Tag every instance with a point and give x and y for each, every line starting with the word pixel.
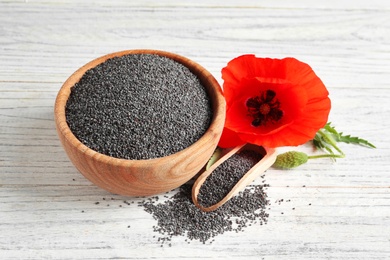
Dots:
pixel 264 108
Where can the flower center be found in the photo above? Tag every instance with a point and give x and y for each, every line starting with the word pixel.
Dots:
pixel 264 108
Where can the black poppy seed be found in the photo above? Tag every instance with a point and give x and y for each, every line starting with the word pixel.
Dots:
pixel 139 106
pixel 225 176
pixel 178 216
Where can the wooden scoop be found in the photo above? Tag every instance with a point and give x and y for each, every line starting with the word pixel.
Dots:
pixel 266 162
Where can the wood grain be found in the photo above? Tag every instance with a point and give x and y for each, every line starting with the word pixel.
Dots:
pixel 48 210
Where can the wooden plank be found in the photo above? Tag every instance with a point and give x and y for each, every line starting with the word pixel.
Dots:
pixel 332 40
pixel 322 210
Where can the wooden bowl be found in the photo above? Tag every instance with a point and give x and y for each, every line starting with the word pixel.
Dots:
pixel 142 177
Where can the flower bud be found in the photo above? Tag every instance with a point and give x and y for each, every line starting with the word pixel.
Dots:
pixel 290 160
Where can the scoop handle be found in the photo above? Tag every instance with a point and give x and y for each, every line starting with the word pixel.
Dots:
pixel 260 167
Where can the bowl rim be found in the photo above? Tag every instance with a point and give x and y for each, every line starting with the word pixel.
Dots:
pixel 214 130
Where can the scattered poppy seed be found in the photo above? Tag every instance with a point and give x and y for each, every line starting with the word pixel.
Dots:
pixel 138 106
pixel 178 216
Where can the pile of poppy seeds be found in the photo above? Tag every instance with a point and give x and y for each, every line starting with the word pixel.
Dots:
pixel 178 215
pixel 138 106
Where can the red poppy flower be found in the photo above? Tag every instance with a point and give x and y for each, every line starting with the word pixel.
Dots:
pixel 272 102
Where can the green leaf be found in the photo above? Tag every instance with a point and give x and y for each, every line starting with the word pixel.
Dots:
pixel 331 129
pixel 340 137
pixel 354 140
pixel 327 137
pixel 216 155
pixel 321 143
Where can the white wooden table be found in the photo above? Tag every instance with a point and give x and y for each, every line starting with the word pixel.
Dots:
pixel 48 210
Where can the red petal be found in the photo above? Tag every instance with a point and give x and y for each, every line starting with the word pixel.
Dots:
pixel 229 139
pixel 248 66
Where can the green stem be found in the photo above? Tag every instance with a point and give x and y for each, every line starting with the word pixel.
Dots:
pixel 326 156
pixel 332 142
